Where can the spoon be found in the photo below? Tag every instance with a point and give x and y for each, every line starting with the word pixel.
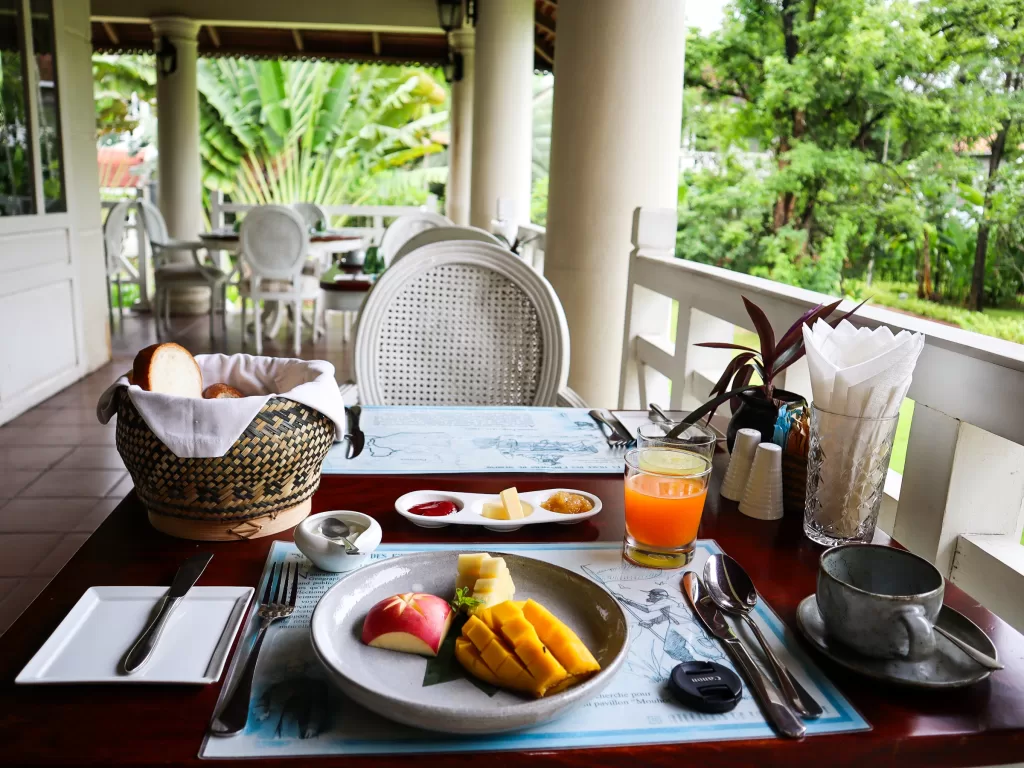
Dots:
pixel 733 591
pixel 982 658
pixel 333 528
pixel 660 414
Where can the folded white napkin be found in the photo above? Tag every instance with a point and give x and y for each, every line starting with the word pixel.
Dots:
pixel 197 428
pixel 859 378
pixel 859 371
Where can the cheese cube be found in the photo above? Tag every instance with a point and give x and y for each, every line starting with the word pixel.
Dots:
pixel 510 500
pixel 494 511
pixel 493 568
pixel 469 569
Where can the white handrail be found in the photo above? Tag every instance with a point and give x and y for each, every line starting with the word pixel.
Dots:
pixel 377 213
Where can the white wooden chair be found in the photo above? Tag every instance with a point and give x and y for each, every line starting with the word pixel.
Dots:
pixel 441 234
pixel 460 323
pixel 168 274
pixel 274 241
pixel 405 227
pixel 117 266
pixel 311 213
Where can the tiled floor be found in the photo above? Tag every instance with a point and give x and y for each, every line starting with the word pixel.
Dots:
pixel 60 474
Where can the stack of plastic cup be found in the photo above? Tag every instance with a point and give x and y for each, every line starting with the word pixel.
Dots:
pixel 763 496
pixel 735 482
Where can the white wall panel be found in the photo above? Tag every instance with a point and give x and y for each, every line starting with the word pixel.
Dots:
pixel 39 338
pixel 30 250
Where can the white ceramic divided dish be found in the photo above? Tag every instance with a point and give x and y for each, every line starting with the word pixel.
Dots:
pixel 331 555
pixel 471 504
pixel 91 642
pixel 391 683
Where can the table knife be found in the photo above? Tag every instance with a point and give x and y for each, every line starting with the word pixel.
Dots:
pixel 186 577
pixel 356 438
pixel 773 704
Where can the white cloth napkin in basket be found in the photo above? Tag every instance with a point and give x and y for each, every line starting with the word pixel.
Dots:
pixel 197 428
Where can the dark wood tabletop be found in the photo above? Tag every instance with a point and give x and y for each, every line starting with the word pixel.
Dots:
pixel 314 237
pixel 351 285
pixel 164 725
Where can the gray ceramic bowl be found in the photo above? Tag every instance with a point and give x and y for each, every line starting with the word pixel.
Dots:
pixel 390 683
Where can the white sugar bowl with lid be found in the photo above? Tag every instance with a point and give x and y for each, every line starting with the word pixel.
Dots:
pixel 320 538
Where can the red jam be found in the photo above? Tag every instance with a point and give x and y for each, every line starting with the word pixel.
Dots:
pixel 434 509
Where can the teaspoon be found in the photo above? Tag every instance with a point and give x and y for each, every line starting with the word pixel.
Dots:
pixel 733 591
pixel 333 528
pixel 982 658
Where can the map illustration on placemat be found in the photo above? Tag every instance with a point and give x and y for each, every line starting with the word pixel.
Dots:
pixel 295 710
pixel 426 440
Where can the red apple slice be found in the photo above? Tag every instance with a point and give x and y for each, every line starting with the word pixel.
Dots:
pixel 413 622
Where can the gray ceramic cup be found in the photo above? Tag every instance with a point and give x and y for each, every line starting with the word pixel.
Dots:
pixel 879 601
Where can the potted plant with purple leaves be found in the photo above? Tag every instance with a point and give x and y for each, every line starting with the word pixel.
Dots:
pixel 756 406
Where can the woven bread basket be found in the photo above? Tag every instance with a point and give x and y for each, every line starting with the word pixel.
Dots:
pixel 262 485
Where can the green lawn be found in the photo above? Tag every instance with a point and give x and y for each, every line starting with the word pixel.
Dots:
pixel 1000 322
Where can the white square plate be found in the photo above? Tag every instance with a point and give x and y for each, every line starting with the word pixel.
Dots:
pixel 91 642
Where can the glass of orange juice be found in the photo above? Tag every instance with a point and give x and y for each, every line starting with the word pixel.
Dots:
pixel 665 492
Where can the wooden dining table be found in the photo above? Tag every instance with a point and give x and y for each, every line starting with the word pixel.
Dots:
pixel 141 725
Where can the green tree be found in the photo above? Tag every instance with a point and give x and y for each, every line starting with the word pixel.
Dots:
pixel 277 131
pixel 274 131
pixel 855 111
pixel 117 81
pixel 991 44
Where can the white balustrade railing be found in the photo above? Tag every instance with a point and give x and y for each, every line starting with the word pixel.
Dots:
pixel 961 496
pixel 135 240
pixel 378 216
pixel 531 239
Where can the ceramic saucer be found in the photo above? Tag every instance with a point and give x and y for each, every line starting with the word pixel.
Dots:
pixel 948 667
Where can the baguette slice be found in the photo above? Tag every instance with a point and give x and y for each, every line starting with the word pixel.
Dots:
pixel 169 369
pixel 220 391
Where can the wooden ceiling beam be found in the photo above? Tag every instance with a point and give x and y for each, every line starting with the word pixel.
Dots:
pixel 375 39
pixel 297 37
pixel 214 35
pixel 108 27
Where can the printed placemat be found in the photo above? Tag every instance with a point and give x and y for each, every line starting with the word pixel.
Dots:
pixel 295 710
pixel 421 440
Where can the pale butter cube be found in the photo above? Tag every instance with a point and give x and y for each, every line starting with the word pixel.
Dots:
pixel 510 500
pixel 494 511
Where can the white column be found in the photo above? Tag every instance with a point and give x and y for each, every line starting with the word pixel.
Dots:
pixel 179 168
pixel 502 109
pixel 615 146
pixel 460 146
pixel 177 103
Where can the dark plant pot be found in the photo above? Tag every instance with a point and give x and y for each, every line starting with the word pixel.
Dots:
pixel 755 412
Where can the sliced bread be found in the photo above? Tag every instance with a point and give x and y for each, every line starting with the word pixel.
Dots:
pixel 220 391
pixel 169 369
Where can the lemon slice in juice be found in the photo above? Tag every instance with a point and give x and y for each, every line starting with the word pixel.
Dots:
pixel 670 461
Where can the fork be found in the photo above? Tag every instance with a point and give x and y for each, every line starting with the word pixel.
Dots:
pixel 612 436
pixel 278 602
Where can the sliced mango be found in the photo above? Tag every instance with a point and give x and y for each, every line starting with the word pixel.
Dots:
pixel 469 658
pixel 563 642
pixel 526 647
pixel 484 614
pixel 506 611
